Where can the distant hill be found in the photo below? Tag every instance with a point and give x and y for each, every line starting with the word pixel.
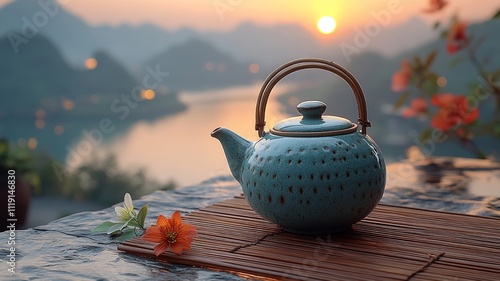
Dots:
pixel 109 77
pixel 133 45
pixel 269 46
pixel 38 72
pixel 42 92
pixel 77 40
pixel 394 40
pixel 40 77
pixel 71 34
pixel 197 65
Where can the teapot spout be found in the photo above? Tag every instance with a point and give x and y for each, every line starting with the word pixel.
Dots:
pixel 235 148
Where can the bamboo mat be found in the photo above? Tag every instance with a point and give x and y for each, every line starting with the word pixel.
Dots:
pixel 392 243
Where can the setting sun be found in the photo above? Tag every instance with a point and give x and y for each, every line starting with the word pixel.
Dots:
pixel 326 25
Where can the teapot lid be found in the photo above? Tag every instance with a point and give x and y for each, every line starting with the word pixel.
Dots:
pixel 313 123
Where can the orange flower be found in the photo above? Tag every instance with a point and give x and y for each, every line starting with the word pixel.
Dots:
pixel 417 106
pixel 401 79
pixel 454 111
pixel 170 233
pixel 457 39
pixel 435 5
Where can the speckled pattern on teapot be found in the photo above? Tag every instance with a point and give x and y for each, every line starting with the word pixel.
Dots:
pixel 310 174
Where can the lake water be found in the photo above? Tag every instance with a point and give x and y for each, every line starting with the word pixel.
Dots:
pixel 180 147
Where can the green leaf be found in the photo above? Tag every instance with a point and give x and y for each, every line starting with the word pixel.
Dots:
pixel 456 61
pixel 496 130
pixel 430 59
pixel 133 223
pixel 402 99
pixel 431 76
pixel 126 235
pixel 418 62
pixel 4 147
pixel 444 34
pixel 425 135
pixel 141 217
pixel 103 227
pixel 436 25
pixel 117 228
pixel 430 85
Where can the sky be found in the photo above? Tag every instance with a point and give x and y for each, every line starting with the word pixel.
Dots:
pixel 221 15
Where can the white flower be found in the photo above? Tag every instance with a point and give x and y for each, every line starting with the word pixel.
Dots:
pixel 127 211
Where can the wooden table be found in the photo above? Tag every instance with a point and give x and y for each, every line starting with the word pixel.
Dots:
pixel 392 243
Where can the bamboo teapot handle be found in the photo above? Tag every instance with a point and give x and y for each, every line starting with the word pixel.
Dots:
pixel 299 64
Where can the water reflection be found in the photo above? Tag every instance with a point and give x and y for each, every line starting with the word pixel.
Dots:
pixel 179 147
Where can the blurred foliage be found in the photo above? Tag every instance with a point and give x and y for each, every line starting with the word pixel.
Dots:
pixel 456 114
pixel 20 160
pixel 105 183
pixel 101 181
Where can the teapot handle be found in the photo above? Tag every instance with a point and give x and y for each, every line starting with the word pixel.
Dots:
pixel 299 64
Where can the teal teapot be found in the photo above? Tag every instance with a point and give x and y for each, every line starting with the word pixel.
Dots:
pixel 311 174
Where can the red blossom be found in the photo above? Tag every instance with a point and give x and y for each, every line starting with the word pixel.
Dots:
pixel 454 111
pixel 417 106
pixel 401 79
pixel 457 39
pixel 170 234
pixel 435 5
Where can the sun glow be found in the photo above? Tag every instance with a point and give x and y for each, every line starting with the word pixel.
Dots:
pixel 326 25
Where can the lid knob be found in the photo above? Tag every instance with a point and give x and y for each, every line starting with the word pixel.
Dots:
pixel 312 109
pixel 313 123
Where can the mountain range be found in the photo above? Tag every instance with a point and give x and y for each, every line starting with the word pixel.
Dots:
pixel 134 45
pixel 197 65
pixel 53 102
